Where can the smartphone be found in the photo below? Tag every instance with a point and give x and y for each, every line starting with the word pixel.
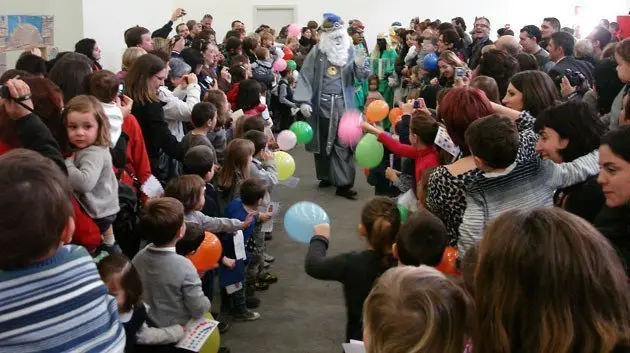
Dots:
pixel 418 103
pixel 460 72
pixel 120 91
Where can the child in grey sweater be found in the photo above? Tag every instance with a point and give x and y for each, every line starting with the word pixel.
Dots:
pixel 90 169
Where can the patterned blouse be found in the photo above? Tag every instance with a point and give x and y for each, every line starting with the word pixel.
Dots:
pixel 446 193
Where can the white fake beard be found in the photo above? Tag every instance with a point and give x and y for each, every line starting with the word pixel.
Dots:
pixel 336 54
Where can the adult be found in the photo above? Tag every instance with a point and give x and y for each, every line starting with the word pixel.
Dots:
pixel 71 74
pixel 606 85
pixel 445 195
pixel 500 66
pixel 237 25
pixel 144 80
pixel 586 302
pixel 249 45
pixel 481 38
pixel 383 65
pixel 179 96
pixel 306 40
pixel 526 61
pixel 459 22
pixel 33 64
pixel 566 132
pixel 614 177
pixel 206 22
pixel 89 48
pixel 325 91
pixel 355 31
pixel 561 47
pixel 549 26
pixel 530 91
pixel 165 30
pixel 584 51
pixel 529 39
pixel 194 27
pixel 139 37
pixel 600 38
pixel 450 40
pixel 128 58
pixel 508 44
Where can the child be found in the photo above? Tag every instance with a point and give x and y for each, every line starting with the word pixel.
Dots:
pixel 190 191
pixel 232 274
pixel 505 183
pixel 204 118
pixel 104 86
pixel 235 170
pixel 421 240
pixel 416 309
pixel 173 288
pixel 373 93
pixel 199 160
pixel 40 278
pixel 123 283
pixel 422 132
pixel 90 169
pixel 284 103
pixel 263 167
pixel 261 68
pixel 357 271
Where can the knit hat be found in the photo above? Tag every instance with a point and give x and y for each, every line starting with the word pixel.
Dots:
pixel 331 23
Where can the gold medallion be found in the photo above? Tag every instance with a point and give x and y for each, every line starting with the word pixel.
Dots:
pixel 332 71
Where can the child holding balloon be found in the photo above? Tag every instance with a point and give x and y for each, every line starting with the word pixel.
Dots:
pixel 123 282
pixel 357 271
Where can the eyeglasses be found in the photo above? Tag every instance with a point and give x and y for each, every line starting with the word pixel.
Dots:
pixel 482 25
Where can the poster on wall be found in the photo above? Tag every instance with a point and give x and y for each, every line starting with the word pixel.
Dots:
pixel 18 32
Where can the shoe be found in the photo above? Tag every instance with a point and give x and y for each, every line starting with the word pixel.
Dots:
pixel 268 236
pixel 324 184
pixel 269 258
pixel 247 316
pixel 347 193
pixel 266 265
pixel 223 350
pixel 268 278
pixel 252 302
pixel 223 328
pixel 261 285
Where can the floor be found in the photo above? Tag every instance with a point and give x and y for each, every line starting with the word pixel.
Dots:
pixel 301 314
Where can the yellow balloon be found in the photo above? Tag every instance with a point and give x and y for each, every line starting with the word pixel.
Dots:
pixel 214 341
pixel 285 165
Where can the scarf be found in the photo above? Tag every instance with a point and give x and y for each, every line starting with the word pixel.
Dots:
pixel 479 43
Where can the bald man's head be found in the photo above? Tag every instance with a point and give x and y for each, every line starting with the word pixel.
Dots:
pixel 508 44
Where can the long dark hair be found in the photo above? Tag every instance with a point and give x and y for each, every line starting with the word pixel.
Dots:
pixel 248 95
pixel 86 47
pixel 539 91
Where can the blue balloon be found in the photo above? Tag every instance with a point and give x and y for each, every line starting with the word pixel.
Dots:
pixel 300 219
pixel 430 61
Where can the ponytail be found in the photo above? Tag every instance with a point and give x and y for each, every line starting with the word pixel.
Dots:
pixel 381 220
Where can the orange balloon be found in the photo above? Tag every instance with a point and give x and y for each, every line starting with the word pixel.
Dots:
pixel 448 265
pixel 395 115
pixel 208 254
pixel 377 111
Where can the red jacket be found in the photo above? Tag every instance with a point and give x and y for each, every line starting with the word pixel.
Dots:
pixel 425 158
pixel 137 157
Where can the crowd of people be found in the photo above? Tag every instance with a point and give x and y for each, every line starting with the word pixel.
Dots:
pixel 514 154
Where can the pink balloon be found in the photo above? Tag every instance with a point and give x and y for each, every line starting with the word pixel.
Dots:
pixel 286 140
pixel 294 30
pixel 349 131
pixel 279 65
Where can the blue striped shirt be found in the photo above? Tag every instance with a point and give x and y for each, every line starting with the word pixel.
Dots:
pixel 58 305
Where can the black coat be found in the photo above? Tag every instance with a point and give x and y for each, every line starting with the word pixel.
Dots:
pixel 614 224
pixel 569 62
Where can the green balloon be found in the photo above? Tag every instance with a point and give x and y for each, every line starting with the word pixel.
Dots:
pixel 369 152
pixel 291 64
pixel 404 213
pixel 302 131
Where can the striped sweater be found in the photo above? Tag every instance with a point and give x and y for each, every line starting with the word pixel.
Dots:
pixel 58 305
pixel 527 184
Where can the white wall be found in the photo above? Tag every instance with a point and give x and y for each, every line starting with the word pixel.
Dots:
pixel 68 20
pixel 107 20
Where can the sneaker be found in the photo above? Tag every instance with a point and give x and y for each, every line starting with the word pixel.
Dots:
pixel 347 193
pixel 247 316
pixel 269 258
pixel 268 236
pixel 252 302
pixel 261 285
pixel 268 278
pixel 223 328
pixel 266 265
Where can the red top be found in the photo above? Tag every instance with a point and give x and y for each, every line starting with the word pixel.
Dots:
pixel 425 158
pixel 137 157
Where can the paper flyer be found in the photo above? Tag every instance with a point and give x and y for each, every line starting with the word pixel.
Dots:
pixel 196 333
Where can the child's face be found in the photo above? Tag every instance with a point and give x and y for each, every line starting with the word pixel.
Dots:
pixel 446 70
pixel 82 129
pixel 373 85
pixel 267 43
pixel 623 69
pixel 427 46
pixel 115 289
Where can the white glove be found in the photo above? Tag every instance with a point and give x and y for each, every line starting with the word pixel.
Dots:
pixel 306 110
pixel 359 57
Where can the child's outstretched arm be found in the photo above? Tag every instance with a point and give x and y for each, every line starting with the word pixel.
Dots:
pixel 316 263
pixel 85 169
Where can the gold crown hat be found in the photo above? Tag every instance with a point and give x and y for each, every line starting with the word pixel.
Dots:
pixel 331 23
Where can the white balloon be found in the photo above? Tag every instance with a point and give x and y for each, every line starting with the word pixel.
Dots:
pixel 286 140
pixel 280 53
